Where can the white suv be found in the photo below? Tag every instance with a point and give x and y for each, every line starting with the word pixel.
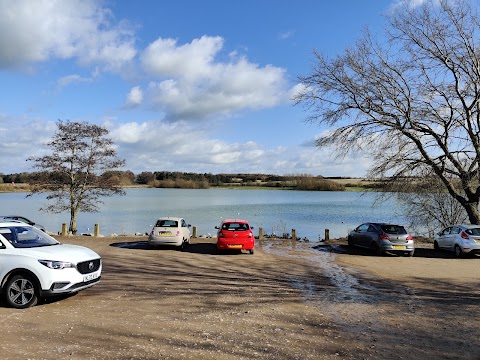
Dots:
pixel 34 265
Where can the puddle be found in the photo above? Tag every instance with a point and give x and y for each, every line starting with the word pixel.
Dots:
pixel 347 287
pixel 348 302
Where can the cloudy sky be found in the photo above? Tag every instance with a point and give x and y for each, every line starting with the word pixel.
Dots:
pixel 184 85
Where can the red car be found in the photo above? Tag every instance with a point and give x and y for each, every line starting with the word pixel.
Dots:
pixel 235 234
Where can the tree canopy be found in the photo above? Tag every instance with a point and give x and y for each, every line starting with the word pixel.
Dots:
pixel 410 99
pixel 80 153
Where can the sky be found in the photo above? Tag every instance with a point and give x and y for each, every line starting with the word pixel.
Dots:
pixel 185 85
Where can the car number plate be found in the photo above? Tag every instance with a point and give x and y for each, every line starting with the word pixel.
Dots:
pixel 235 246
pixel 90 277
pixel 399 247
pixel 165 233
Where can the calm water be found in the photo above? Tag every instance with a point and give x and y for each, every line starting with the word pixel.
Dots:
pixel 276 211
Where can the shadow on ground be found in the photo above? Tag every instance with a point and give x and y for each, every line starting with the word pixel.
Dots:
pixel 206 248
pixel 421 252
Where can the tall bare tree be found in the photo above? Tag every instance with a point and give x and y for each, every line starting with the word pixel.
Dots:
pixel 80 153
pixel 410 98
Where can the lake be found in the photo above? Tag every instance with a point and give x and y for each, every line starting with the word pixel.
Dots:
pixel 276 211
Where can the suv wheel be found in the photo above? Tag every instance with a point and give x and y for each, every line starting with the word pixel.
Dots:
pixel 21 292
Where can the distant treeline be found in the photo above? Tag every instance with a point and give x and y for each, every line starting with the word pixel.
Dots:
pixel 187 180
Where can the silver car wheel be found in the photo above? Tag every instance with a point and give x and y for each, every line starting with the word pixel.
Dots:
pixel 21 292
pixel 458 251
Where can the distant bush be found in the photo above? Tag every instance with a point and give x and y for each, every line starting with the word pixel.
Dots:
pixel 14 187
pixel 180 184
pixel 317 184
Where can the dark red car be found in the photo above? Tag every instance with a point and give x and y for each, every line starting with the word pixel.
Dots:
pixel 235 234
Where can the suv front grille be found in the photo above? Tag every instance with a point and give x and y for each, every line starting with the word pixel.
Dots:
pixel 89 266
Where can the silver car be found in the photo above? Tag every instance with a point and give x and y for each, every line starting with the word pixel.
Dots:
pixel 461 239
pixel 382 237
pixel 170 231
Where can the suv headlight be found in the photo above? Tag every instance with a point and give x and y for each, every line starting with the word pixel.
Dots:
pixel 51 264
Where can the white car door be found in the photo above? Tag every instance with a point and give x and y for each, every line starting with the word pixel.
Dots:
pixel 185 230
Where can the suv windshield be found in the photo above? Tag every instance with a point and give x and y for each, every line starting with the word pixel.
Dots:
pixel 394 229
pixel 26 236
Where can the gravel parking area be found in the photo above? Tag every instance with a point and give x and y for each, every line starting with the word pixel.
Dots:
pixel 290 300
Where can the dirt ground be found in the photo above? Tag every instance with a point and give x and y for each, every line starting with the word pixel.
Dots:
pixel 290 300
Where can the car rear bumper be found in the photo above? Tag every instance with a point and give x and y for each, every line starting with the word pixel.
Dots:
pixel 471 248
pixel 165 240
pixel 227 244
pixel 398 247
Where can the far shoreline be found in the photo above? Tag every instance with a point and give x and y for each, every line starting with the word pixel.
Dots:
pixel 349 184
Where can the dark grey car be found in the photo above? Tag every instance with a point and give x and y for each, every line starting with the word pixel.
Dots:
pixel 382 237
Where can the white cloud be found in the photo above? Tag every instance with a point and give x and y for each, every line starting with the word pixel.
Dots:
pixel 134 97
pixel 286 35
pixel 70 79
pixel 22 138
pixel 37 31
pixel 194 61
pixel 153 146
pixel 157 146
pixel 193 84
pixel 412 4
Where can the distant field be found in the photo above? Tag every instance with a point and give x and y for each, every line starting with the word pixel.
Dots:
pixel 354 183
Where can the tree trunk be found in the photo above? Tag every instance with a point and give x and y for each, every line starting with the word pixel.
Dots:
pixel 73 222
pixel 472 211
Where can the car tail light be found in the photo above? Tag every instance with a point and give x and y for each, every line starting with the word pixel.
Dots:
pixel 221 234
pixel 409 237
pixel 384 237
pixel 464 236
pixel 250 235
pixel 178 233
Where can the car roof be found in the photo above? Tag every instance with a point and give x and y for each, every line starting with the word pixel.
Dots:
pixel 241 221
pixel 13 216
pixel 14 223
pixel 170 218
pixel 467 226
pixel 383 223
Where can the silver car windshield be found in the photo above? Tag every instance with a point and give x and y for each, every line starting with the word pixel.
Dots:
pixel 26 237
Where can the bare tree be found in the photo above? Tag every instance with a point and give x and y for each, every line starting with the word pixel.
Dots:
pixel 427 204
pixel 81 152
pixel 412 101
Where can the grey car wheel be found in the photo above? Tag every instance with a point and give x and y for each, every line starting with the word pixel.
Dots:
pixel 458 251
pixel 376 249
pixel 21 292
pixel 350 242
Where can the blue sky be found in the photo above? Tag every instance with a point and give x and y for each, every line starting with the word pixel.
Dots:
pixel 195 86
